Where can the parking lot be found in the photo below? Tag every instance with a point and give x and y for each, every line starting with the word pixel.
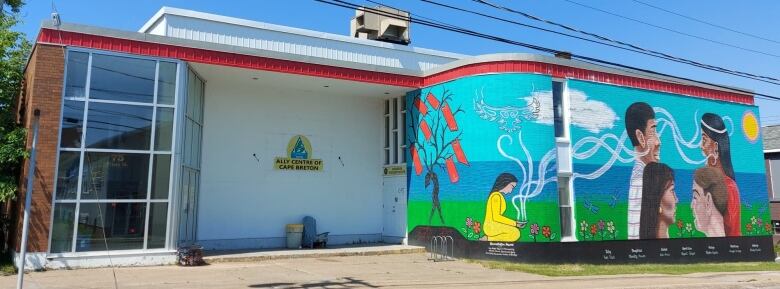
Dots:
pixel 394 271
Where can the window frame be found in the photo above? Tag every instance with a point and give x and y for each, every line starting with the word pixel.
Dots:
pixel 151 152
pixel 394 131
pixel 775 185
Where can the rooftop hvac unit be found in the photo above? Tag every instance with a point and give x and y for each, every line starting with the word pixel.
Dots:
pixel 391 26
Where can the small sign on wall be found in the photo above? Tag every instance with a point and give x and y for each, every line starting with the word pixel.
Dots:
pixel 394 171
pixel 298 156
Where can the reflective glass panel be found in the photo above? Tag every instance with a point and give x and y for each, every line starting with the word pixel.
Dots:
pixel 72 124
pixel 161 176
pixel 158 219
pixel 115 176
pixel 122 78
pixel 76 79
pixel 68 175
pixel 119 126
pixel 62 227
pixel 118 226
pixel 166 83
pixel 163 130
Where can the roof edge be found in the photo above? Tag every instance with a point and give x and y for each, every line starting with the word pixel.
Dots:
pixel 496 57
pixel 157 16
pixel 165 10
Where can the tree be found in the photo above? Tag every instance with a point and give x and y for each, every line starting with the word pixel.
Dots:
pixel 14 50
pixel 434 141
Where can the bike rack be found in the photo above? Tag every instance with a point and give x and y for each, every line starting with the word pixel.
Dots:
pixel 442 248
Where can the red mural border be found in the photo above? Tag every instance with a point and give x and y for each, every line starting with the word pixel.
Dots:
pixel 205 56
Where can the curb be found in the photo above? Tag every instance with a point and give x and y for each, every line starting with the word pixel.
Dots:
pixel 311 254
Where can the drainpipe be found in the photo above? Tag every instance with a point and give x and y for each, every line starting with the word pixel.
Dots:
pixel 28 200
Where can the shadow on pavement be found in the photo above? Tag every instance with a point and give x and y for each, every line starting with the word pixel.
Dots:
pixel 347 283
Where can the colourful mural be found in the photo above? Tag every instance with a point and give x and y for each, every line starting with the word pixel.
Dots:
pixel 482 161
pixel 653 165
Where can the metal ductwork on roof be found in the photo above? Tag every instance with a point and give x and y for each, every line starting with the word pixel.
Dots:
pixel 376 26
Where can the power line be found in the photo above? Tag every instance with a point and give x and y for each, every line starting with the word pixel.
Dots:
pixel 348 5
pixel 705 22
pixel 631 47
pixel 672 30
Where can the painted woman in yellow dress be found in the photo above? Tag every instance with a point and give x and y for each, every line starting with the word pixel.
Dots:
pixel 498 227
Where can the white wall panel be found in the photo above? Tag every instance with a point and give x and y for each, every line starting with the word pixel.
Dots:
pixel 246 203
pixel 334 47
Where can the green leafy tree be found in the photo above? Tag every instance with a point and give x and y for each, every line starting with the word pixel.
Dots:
pixel 14 50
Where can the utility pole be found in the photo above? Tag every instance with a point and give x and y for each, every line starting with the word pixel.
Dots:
pixel 28 200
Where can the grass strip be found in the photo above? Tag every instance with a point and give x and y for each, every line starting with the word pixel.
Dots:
pixel 559 270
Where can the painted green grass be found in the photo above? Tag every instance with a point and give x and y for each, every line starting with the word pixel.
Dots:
pixel 684 226
pixel 610 222
pixel 559 270
pixel 455 214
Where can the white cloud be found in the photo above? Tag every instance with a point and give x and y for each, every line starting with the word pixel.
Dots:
pixel 591 115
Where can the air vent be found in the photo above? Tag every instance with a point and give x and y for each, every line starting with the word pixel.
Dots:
pixel 386 24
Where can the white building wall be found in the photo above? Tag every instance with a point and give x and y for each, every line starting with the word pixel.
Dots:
pixel 245 203
pixel 193 25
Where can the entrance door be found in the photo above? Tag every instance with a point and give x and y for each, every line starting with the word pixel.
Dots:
pixel 189 206
pixel 394 209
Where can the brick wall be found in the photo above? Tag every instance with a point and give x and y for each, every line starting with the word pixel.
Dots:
pixel 43 91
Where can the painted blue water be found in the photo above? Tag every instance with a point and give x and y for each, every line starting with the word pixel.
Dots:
pixel 476 181
pixel 752 186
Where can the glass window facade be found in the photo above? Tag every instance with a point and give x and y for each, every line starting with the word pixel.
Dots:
pixel 190 161
pixel 116 143
pixel 774 169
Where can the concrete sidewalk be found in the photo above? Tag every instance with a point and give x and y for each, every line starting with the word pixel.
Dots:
pixel 332 251
pixel 396 271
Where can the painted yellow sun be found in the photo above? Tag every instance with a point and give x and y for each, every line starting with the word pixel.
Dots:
pixel 750 126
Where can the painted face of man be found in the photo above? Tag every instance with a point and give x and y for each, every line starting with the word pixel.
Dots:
pixel 699 206
pixel 650 143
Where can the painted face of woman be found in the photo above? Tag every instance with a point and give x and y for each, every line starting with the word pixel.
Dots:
pixel 669 204
pixel 709 148
pixel 509 188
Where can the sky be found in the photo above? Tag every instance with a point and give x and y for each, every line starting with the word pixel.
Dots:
pixel 758 18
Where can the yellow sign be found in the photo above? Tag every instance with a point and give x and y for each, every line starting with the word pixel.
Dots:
pixel 298 156
pixel 395 170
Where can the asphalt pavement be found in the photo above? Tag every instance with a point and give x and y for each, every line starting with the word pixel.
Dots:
pixel 382 271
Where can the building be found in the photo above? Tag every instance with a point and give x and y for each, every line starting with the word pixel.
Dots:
pixel 772 159
pixel 208 129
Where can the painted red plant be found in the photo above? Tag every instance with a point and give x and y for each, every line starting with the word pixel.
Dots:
pixel 435 143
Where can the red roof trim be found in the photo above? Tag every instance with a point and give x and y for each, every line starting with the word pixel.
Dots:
pixel 223 58
pixel 294 67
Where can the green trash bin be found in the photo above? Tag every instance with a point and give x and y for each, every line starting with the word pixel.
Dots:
pixel 294 235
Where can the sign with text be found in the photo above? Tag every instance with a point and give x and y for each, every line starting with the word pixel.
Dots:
pixel 394 171
pixel 298 156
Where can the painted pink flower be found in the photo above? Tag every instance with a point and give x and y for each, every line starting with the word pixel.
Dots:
pixel 468 222
pixel 601 225
pixel 535 229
